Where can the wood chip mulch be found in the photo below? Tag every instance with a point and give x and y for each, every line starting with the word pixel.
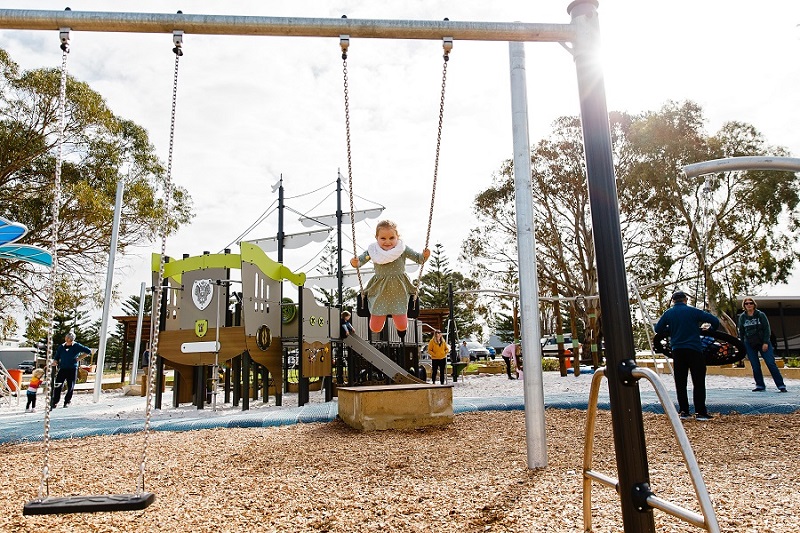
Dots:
pixel 470 476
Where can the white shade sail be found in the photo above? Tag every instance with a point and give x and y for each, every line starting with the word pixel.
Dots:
pixel 330 220
pixel 295 240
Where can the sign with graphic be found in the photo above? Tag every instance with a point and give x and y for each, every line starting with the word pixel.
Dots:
pixel 201 327
pixel 202 293
pixel 263 337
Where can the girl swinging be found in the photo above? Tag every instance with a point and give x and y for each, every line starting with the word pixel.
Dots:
pixel 389 289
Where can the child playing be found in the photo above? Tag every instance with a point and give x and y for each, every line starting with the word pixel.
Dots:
pixel 33 388
pixel 389 289
pixel 347 326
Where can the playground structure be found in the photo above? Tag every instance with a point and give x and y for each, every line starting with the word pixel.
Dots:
pixel 199 331
pixel 194 310
pixel 583 34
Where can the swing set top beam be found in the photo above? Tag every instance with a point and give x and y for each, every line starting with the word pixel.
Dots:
pixel 25 19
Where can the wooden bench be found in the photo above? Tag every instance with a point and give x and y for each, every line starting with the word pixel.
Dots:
pixel 403 406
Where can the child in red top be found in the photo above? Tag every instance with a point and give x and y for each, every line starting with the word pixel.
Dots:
pixel 33 388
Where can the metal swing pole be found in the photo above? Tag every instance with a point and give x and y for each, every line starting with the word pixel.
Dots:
pixel 533 385
pixel 626 406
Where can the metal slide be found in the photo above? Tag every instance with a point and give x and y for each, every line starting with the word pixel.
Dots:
pixel 371 354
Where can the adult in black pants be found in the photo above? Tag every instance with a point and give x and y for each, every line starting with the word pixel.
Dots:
pixel 510 352
pixel 438 349
pixel 682 323
pixel 68 355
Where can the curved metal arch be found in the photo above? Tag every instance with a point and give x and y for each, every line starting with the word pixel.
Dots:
pixel 791 164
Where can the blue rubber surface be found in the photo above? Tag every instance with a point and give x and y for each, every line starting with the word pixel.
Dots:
pixel 24 428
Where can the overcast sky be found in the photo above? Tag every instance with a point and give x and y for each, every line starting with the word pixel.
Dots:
pixel 251 109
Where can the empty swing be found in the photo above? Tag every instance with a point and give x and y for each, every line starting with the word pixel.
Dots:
pixel 44 504
pixel 719 348
pixel 362 304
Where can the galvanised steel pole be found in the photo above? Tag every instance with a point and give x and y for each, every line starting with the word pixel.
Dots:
pixel 626 406
pixel 112 254
pixel 533 386
pixel 25 19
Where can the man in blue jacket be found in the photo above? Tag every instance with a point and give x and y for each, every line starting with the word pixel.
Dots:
pixel 682 323
pixel 68 355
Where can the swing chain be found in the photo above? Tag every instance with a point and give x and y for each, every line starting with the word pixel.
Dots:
pixel 177 39
pixel 448 46
pixel 344 43
pixel 44 483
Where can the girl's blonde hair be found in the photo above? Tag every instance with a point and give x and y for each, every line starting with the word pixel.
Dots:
pixel 39 372
pixel 386 224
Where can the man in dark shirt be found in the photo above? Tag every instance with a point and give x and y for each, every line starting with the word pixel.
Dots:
pixel 682 323
pixel 68 355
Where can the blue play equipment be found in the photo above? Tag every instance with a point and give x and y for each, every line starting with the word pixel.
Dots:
pixel 10 233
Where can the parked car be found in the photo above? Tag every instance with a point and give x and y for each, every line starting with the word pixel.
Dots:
pixel 491 351
pixel 477 351
pixel 550 345
pixel 27 366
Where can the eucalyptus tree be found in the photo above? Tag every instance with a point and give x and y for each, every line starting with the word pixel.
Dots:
pixel 718 235
pixel 435 292
pixel 100 149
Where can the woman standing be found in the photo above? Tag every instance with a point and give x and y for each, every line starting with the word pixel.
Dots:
pixel 754 331
pixel 438 349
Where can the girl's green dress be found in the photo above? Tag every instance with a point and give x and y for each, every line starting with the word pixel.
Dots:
pixel 389 289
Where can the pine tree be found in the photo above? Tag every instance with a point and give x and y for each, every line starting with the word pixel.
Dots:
pixel 434 293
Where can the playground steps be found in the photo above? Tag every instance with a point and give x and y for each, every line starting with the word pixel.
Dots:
pixel 371 354
pixel 405 406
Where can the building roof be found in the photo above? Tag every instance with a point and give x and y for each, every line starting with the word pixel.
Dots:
pixel 775 302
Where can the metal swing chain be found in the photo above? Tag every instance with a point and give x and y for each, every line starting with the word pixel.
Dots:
pixel 344 43
pixel 448 46
pixel 177 39
pixel 44 485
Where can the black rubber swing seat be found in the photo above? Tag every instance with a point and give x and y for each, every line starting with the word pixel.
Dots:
pixel 90 504
pixel 719 348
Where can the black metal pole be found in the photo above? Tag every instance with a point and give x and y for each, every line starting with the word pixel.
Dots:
pixel 451 327
pixel 339 272
pixel 302 382
pixel 280 260
pixel 340 277
pixel 339 295
pixel 626 406
pixel 162 326
pixel 245 390
pixel 159 385
pixel 236 370
pixel 280 220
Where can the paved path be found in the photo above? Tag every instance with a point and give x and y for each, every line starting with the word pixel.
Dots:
pixel 90 420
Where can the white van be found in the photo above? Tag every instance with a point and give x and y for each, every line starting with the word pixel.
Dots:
pixel 550 344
